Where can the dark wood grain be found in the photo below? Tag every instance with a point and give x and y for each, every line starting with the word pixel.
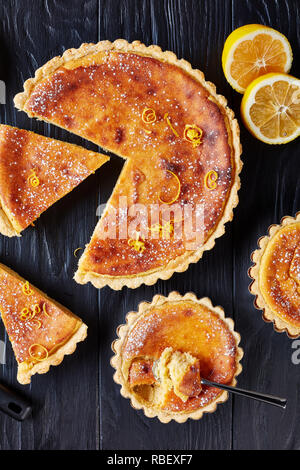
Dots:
pixel 66 401
pixel 270 190
pixel 77 405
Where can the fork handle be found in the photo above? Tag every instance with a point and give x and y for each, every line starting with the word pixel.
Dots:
pixel 270 399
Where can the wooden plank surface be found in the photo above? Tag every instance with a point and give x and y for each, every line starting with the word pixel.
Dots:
pixel 78 404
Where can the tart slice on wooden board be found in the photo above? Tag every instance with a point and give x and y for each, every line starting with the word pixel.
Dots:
pixel 35 172
pixel 41 330
pixel 179 138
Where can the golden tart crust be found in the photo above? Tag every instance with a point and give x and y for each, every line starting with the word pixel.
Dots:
pixel 184 324
pixel 35 172
pixel 41 330
pixel 68 91
pixel 276 276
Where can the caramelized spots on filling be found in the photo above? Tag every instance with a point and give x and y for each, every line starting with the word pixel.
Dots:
pixel 119 135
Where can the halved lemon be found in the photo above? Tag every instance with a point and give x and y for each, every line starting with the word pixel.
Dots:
pixel 254 50
pixel 271 108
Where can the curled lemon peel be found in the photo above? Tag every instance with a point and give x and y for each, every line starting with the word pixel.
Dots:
pixel 211 179
pixel 45 311
pixel 36 310
pixel 178 190
pixel 166 117
pixel 25 314
pixel 163 230
pixel 38 357
pixel 29 313
pixel 33 179
pixel 193 134
pixel 26 289
pixel 137 244
pixel 149 115
pixel 75 251
pixel 39 323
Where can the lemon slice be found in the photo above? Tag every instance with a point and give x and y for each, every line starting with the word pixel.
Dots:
pixel 271 108
pixel 254 50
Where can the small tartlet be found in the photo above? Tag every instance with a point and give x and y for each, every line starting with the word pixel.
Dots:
pixel 41 331
pixel 124 331
pixel 261 275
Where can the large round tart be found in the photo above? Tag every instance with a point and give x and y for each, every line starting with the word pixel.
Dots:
pixel 180 143
pixel 276 275
pixel 164 350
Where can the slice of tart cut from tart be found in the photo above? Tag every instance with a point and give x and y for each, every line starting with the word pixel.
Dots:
pixel 41 331
pixel 35 172
pixel 179 138
pixel 276 276
pixel 164 350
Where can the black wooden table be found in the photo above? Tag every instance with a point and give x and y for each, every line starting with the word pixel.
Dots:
pixel 77 405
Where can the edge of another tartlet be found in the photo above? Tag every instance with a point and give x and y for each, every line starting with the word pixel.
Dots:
pixel 268 315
